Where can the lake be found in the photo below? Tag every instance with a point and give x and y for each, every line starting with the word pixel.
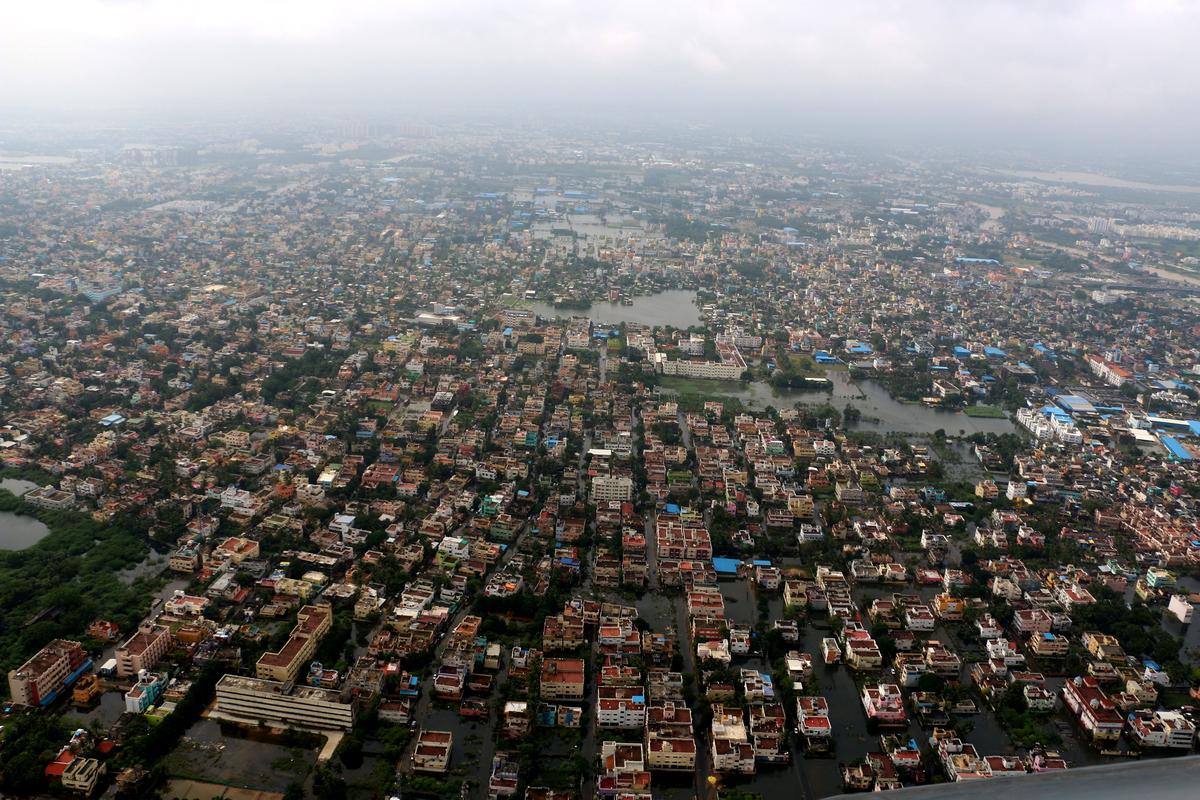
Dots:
pixel 676 307
pixel 17 486
pixel 880 412
pixel 18 531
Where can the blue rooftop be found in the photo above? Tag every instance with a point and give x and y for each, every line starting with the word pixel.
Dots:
pixel 1176 449
pixel 726 566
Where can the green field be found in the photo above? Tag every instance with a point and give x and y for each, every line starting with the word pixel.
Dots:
pixel 988 412
pixel 701 386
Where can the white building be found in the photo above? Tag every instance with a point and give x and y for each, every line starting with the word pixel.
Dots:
pixel 1182 607
pixel 607 488
pixel 628 712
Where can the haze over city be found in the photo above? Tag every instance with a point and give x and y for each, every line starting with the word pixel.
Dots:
pixel 1113 75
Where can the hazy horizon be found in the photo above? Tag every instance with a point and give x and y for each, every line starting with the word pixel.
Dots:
pixel 1094 76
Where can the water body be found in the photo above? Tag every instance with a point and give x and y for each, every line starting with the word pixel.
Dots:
pixel 880 412
pixel 1096 179
pixel 994 213
pixel 17 486
pixel 676 307
pixel 18 531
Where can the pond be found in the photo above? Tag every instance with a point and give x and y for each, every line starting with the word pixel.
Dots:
pixel 676 307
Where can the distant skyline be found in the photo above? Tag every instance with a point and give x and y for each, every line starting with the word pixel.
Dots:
pixel 1114 75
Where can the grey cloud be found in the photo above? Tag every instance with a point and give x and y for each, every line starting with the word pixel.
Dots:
pixel 1121 69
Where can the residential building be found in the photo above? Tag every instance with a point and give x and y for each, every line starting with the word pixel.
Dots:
pixel 143 650
pixel 312 623
pixel 432 751
pixel 666 752
pixel 607 488
pixel 82 775
pixel 39 680
pixel 145 692
pixel 562 678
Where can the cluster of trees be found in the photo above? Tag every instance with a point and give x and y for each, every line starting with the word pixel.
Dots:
pixel 30 742
pixel 1136 627
pixel 908 384
pixel 678 227
pixel 57 587
pixel 314 362
pixel 1022 726
pixel 816 416
pixel 1005 445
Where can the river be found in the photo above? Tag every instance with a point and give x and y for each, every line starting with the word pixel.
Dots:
pixel 675 307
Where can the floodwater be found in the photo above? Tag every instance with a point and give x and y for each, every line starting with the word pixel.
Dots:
pixel 18 531
pixel 880 412
pixel 675 307
pixel 994 213
pixel 820 776
pixel 107 710
pixel 228 754
pixel 1178 277
pixel 1096 179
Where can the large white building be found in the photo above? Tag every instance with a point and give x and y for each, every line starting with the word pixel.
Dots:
pixel 254 699
pixel 620 712
pixel 606 488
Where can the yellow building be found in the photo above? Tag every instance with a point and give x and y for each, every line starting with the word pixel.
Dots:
pixel 313 622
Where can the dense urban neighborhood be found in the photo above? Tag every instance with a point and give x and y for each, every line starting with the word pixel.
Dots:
pixel 463 462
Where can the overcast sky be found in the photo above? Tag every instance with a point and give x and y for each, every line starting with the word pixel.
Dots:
pixel 1121 71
